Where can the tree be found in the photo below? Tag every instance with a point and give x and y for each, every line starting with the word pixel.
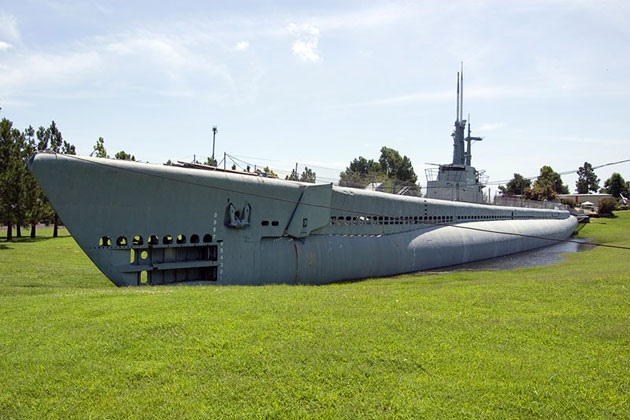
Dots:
pixel 22 202
pixel 267 172
pixel 122 155
pixel 34 199
pixel 549 177
pixel 10 174
pixel 392 171
pixel 516 186
pixel 51 139
pixel 68 149
pixel 308 175
pixel 99 149
pixel 56 140
pixel 607 205
pixel 395 166
pixel 293 176
pixel 587 180
pixel 361 172
pixel 540 193
pixel 43 137
pixel 616 185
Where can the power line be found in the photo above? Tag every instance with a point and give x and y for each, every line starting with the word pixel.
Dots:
pixel 560 173
pixel 292 163
pixel 458 226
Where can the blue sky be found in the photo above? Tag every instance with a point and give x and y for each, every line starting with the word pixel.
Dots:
pixel 320 83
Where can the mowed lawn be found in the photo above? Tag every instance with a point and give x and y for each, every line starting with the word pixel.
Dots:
pixel 551 342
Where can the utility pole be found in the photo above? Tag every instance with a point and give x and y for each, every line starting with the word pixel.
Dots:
pixel 214 134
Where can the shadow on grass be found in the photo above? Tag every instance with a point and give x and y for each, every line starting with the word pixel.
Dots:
pixel 27 239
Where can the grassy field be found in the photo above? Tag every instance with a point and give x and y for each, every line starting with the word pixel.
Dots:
pixel 550 342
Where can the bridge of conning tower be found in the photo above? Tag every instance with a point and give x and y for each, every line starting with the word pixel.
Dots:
pixel 461 156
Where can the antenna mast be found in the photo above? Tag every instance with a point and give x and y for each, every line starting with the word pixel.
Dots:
pixel 457 112
pixel 461 97
pixel 214 134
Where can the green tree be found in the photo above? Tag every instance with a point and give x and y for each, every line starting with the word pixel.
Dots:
pixel 269 173
pixel 43 138
pixel 607 205
pixel 68 149
pixel 22 202
pixel 549 177
pixel 393 171
pixel 616 185
pixel 308 175
pixel 396 166
pixel 51 139
pixel 99 149
pixel 10 174
pixel 587 180
pixel 540 193
pixel 34 198
pixel 56 139
pixel 293 176
pixel 122 155
pixel 516 186
pixel 361 172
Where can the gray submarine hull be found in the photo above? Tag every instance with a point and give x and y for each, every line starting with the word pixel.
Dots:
pixel 144 224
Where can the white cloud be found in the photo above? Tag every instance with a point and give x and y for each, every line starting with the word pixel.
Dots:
pixel 38 70
pixel 411 98
pixel 8 27
pixel 138 60
pixel 242 46
pixel 490 126
pixel 4 45
pixel 305 46
pixel 366 18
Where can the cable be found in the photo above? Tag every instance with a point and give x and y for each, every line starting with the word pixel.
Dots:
pixel 559 173
pixel 458 226
pixel 286 161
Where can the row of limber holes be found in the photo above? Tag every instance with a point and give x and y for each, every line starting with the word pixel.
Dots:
pixel 386 220
pixel 404 220
pixel 154 240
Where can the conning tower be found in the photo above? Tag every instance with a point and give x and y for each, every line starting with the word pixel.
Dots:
pixel 458 181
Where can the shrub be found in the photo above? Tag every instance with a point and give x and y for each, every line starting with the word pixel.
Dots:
pixel 568 202
pixel 606 205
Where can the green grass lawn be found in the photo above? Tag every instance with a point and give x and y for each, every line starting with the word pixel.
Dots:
pixel 551 342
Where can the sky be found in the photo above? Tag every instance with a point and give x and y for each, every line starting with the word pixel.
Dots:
pixel 321 83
